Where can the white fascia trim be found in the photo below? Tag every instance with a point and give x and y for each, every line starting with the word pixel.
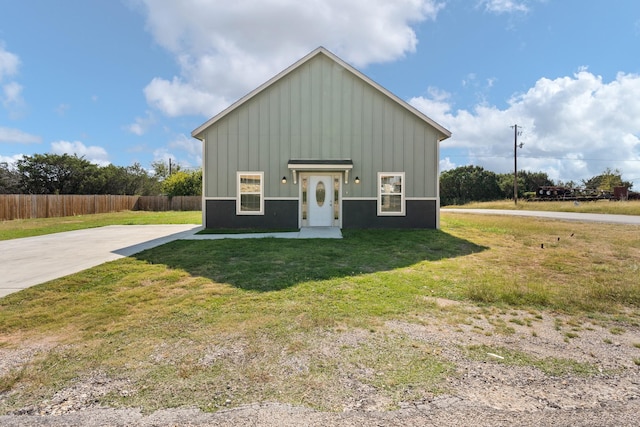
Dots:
pixel 312 167
pixel 266 198
pixel 204 181
pixel 421 198
pixel 359 198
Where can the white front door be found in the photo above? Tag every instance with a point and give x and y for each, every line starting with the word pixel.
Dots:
pixel 320 196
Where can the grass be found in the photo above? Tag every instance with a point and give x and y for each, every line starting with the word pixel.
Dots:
pixel 629 207
pixel 214 324
pixel 551 365
pixel 18 228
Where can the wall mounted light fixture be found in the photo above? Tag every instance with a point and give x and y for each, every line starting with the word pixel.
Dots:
pixel 284 179
pixel 357 180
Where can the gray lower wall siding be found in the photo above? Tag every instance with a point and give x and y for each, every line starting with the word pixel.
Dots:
pixel 281 214
pixel 363 214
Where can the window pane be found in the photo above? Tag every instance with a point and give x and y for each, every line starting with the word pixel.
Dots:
pixel 391 184
pixel 320 194
pixel 391 203
pixel 250 202
pixel 304 198
pixel 250 184
pixel 336 197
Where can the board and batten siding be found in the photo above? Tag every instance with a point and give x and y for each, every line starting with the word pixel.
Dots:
pixel 321 110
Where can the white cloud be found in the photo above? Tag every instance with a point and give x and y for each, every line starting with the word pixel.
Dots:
pixel 225 49
pixel 446 164
pixel 9 62
pixel 192 147
pixel 11 94
pixel 94 154
pixel 163 154
pixel 11 160
pixel 573 127
pixel 176 98
pixel 11 136
pixel 182 150
pixel 62 109
pixel 504 6
pixel 12 100
pixel 141 124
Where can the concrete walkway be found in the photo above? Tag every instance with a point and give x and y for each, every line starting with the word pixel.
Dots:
pixel 33 260
pixel 567 216
pixel 304 233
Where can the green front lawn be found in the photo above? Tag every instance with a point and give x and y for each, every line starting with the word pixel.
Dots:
pixel 220 323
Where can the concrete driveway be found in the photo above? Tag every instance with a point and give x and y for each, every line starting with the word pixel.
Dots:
pixel 34 260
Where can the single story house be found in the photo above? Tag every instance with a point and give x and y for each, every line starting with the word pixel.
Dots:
pixel 320 145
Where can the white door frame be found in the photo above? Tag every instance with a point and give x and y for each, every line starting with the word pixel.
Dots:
pixel 335 180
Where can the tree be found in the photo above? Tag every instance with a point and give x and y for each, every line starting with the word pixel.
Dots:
pixel 130 180
pixel 141 182
pixel 567 184
pixel 606 181
pixel 468 183
pixel 527 182
pixel 9 179
pixel 162 169
pixel 505 182
pixel 58 174
pixel 183 183
pixel 66 174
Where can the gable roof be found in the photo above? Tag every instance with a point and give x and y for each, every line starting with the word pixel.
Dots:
pixel 197 133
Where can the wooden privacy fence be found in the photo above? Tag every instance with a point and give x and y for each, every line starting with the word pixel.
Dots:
pixel 165 203
pixel 24 206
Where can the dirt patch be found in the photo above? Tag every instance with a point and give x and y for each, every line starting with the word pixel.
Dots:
pixel 511 367
pixel 14 355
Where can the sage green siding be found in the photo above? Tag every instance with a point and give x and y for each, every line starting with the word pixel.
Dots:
pixel 321 110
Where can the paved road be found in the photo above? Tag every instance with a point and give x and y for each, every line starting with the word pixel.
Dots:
pixel 568 216
pixel 34 260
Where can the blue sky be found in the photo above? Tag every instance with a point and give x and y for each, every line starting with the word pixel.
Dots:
pixel 124 81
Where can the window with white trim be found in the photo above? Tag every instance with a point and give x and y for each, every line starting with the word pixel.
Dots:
pixel 250 199
pixel 391 193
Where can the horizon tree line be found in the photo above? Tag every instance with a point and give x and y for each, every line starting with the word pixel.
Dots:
pixel 73 174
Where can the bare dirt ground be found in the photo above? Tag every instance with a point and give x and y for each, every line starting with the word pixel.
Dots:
pixel 488 388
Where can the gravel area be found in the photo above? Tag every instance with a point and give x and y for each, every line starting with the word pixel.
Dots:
pixel 486 389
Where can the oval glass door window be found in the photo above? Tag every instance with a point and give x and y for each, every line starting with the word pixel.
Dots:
pixel 320 193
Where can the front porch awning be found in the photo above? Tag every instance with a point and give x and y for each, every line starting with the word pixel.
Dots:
pixel 342 165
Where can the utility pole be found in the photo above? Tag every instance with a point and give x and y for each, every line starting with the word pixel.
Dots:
pixel 515 163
